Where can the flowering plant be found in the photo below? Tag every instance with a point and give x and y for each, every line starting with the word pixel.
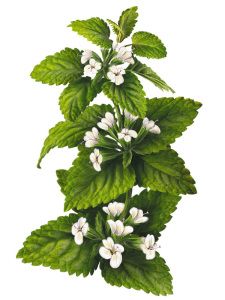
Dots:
pixel 121 144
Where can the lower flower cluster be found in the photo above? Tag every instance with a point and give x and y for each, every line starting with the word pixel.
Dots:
pixel 119 229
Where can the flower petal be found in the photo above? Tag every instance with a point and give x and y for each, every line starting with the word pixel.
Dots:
pixel 127 138
pixel 81 221
pixel 149 241
pixel 112 225
pixel 109 116
pixel 119 80
pixel 90 143
pixel 78 238
pixel 155 130
pixel 128 230
pixel 150 254
pixel 106 210
pixel 133 133
pixel 119 227
pixel 141 220
pixel 105 253
pixel 85 229
pixel 113 208
pixel 116 260
pixel 108 243
pixel 74 229
pixel 118 248
pixel 95 132
pixel 92 157
pixel 97 166
pixel 120 208
pixel 133 211
pixel 102 126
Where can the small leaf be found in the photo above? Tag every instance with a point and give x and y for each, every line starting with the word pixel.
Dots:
pixel 148 45
pixel 127 157
pixel 173 116
pixel 165 172
pixel 127 22
pixel 71 134
pixel 148 73
pixel 115 27
pixel 94 30
pixel 129 95
pixel 76 97
pixel 60 68
pixel 159 206
pixel 86 187
pixel 53 246
pixel 151 276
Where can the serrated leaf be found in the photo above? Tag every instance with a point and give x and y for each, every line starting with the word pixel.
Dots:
pixel 159 206
pixel 151 276
pixel 115 27
pixel 165 172
pixel 70 134
pixel 53 246
pixel 129 95
pixel 76 97
pixel 86 187
pixel 148 45
pixel 146 72
pixel 94 30
pixel 127 21
pixel 62 178
pixel 59 68
pixel 173 116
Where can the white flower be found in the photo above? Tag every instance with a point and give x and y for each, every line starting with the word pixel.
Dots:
pixel 91 138
pixel 127 134
pixel 112 251
pixel 129 116
pixel 116 73
pixel 107 122
pixel 114 209
pixel 125 55
pixel 79 230
pixel 151 126
pixel 118 228
pixel 149 246
pixel 137 215
pixel 92 68
pixel 86 56
pixel 96 159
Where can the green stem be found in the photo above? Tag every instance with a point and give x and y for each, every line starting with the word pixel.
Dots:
pixel 119 116
pixel 128 195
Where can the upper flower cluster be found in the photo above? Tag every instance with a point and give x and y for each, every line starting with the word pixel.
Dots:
pixel 120 227
pixel 122 136
pixel 114 71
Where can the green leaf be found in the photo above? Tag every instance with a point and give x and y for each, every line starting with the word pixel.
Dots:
pixel 127 158
pixel 165 172
pixel 127 21
pixel 148 45
pixel 151 276
pixel 129 95
pixel 61 179
pixel 70 134
pixel 53 246
pixel 115 27
pixel 173 116
pixel 60 68
pixel 160 206
pixel 146 72
pixel 88 188
pixel 94 30
pixel 76 97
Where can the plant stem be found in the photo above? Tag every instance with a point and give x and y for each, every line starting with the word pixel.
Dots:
pixel 128 195
pixel 119 116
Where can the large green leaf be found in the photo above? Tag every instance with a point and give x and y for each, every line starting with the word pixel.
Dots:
pixel 165 172
pixel 151 276
pixel 60 68
pixel 159 206
pixel 127 21
pixel 76 97
pixel 146 72
pixel 148 45
pixel 86 187
pixel 173 116
pixel 53 246
pixel 129 95
pixel 95 30
pixel 69 133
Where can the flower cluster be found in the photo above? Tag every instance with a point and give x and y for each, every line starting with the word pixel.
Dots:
pixel 119 227
pixel 115 72
pixel 109 125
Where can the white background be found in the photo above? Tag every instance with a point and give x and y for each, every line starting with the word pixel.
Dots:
pixel 193 243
